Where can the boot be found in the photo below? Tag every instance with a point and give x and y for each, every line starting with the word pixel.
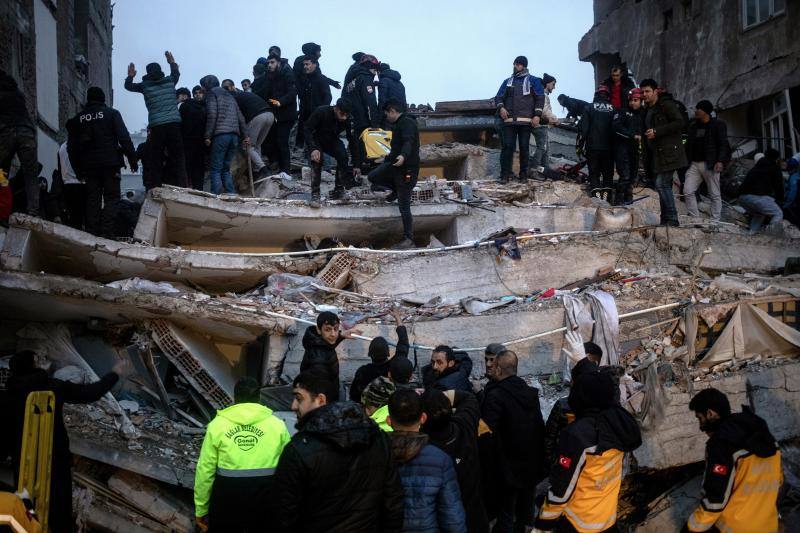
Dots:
pixel 337 193
pixel 314 200
pixel 391 197
pixel 405 244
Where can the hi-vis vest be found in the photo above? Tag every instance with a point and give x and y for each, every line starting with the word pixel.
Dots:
pixel 377 143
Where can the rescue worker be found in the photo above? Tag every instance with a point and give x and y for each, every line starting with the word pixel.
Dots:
pixel 361 94
pixel 635 143
pixel 743 469
pixel 586 475
pixel 240 451
pixel 400 169
pixel 378 353
pixel 520 101
pixel 597 129
pixel 96 139
pixel 626 127
pixel 322 137
pixel 375 399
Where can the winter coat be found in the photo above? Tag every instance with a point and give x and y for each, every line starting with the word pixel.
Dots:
pixel 13 111
pixel 742 477
pixel 764 179
pixel 318 353
pixel 459 439
pixel 560 417
pixel 301 78
pixel 597 125
pixel 193 119
pixel 432 498
pixel 405 142
pixel 323 129
pixel 548 117
pixel 367 373
pixel 715 137
pixel 336 475
pixel 223 114
pixel 361 94
pixel 251 105
pixel 280 85
pixel 521 107
pixel 586 476
pixel 314 92
pixel 626 84
pixel 159 95
pixel 97 137
pixel 259 86
pixel 667 120
pixel 453 378
pixel 390 88
pixel 511 410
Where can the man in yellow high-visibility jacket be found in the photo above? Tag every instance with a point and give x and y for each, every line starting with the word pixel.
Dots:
pixel 239 455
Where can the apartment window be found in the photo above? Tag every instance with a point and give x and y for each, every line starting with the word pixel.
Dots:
pixel 757 11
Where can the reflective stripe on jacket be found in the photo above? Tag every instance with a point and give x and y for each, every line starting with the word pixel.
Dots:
pixel 380 417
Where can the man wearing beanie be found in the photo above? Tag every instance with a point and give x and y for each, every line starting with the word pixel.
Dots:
pixel 96 139
pixel 541 155
pixel 379 354
pixel 708 151
pixel 520 102
pixel 375 399
pixel 303 80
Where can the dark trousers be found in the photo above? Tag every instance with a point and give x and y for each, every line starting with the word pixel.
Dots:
pixel 663 184
pixel 300 138
pixel 102 196
pixel 278 144
pixel 60 514
pixel 511 133
pixel 21 141
pixel 338 152
pixel 600 162
pixel 194 151
pixel 167 137
pixel 633 162
pixel 516 510
pixel 402 182
pixel 74 205
pixel 624 190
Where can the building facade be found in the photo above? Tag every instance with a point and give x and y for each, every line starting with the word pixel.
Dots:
pixel 56 49
pixel 742 55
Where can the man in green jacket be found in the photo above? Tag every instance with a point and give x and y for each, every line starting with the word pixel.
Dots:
pixel 239 455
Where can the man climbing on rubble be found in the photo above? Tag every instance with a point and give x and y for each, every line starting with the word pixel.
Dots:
pixel 259 120
pixel 323 128
pixel 360 92
pixel 336 474
pixel 761 193
pixel 378 353
pixel 448 370
pixel 743 468
pixel 320 344
pixel 225 127
pixel 597 129
pixel 400 169
pixel 510 409
pixel 234 471
pixel 25 378
pixel 375 400
pixel 708 151
pixel 520 101
pixel 586 474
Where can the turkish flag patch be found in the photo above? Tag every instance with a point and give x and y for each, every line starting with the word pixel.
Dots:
pixel 720 470
pixel 565 461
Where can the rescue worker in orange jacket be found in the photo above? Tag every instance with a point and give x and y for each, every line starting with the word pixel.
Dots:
pixel 743 469
pixel 586 475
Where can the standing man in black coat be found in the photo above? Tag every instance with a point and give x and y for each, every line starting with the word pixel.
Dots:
pixel 511 410
pixel 361 94
pixel 452 426
pixel 193 125
pixel 400 169
pixel 336 474
pixel 313 92
pixel 96 136
pixel 597 129
pixel 26 378
pixel 379 354
pixel 281 94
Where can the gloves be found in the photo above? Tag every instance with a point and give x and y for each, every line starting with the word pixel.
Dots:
pixel 574 347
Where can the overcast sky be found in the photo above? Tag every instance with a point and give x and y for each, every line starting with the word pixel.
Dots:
pixel 444 49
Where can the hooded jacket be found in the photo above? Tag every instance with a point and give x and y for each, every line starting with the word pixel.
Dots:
pixel 336 475
pixel 511 410
pixel 453 378
pixel 319 353
pixel 523 97
pixel 574 106
pixel 280 86
pixel 323 129
pixel 97 137
pixel 234 471
pixel 366 373
pixel 159 95
pixel 193 119
pixel 666 119
pixel 597 124
pixel 390 88
pixel 222 112
pixel 432 498
pixel 13 111
pixel 405 142
pixel 361 94
pixel 742 477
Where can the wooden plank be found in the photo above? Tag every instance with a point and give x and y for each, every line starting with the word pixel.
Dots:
pixel 465 106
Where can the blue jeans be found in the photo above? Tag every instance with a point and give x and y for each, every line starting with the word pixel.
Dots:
pixel 760 208
pixel 223 150
pixel 664 189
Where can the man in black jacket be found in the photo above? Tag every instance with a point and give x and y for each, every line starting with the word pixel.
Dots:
pixel 361 94
pixel 259 120
pixel 379 354
pixel 400 169
pixel 322 137
pixel 193 125
pixel 597 128
pixel 320 344
pixel 452 425
pixel 352 70
pixel 313 92
pixel 389 86
pixel 281 94
pixel 619 86
pixel 96 136
pixel 337 474
pixel 26 378
pixel 448 370
pixel 574 106
pixel 18 137
pixel 511 410
pixel 761 193
pixel 707 150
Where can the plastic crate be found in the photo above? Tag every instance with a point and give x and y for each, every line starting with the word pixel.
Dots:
pixel 336 273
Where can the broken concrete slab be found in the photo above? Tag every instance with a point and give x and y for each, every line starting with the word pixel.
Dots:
pixel 36 245
pixel 148 496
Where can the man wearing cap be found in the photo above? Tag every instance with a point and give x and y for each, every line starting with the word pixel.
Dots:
pixel 541 155
pixel 520 103
pixel 96 139
pixel 708 151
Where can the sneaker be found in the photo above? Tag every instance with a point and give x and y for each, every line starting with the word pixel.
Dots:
pixel 314 200
pixel 379 188
pixel 405 244
pixel 391 197
pixel 263 172
pixel 336 194
pixel 505 178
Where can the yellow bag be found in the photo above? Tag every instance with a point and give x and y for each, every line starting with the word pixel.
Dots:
pixel 377 142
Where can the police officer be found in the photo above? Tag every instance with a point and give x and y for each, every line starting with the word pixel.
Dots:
pixel 597 129
pixel 95 137
pixel 234 471
pixel 360 92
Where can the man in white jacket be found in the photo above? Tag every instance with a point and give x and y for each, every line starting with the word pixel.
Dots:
pixel 541 156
